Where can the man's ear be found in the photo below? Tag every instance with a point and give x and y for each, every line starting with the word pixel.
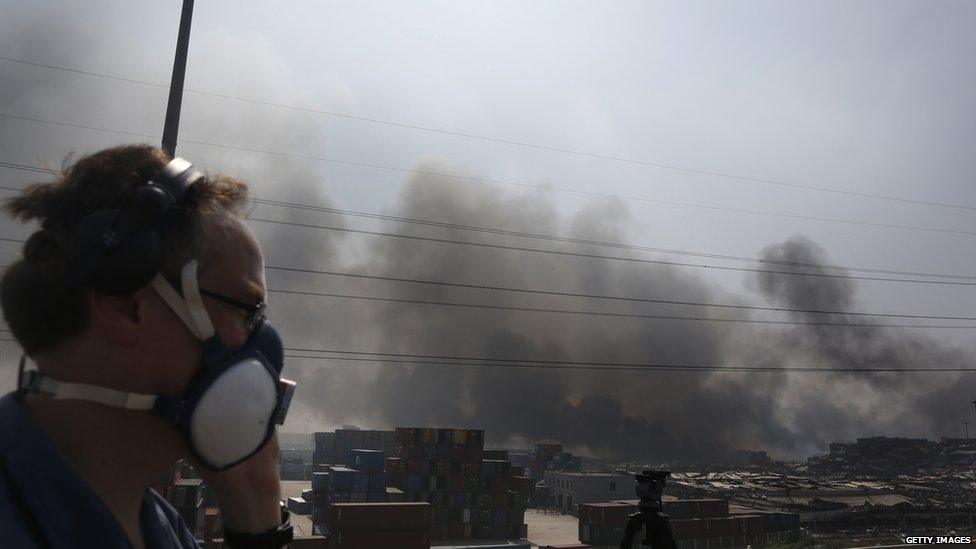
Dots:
pixel 118 317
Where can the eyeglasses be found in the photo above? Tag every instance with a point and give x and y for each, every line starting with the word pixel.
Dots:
pixel 255 313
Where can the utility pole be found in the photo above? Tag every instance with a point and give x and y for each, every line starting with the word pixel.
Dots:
pixel 172 125
pixel 966 423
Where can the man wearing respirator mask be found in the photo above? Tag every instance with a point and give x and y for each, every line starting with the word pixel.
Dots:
pixel 141 301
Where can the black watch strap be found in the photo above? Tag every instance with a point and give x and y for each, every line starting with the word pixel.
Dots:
pixel 272 539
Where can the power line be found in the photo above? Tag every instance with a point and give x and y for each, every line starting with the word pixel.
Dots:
pixel 599 256
pixel 618 258
pixel 26 168
pixel 591 366
pixel 491 230
pixel 614 298
pixel 607 314
pixel 572 240
pixel 515 143
pixel 499 181
pixel 597 296
pixel 609 297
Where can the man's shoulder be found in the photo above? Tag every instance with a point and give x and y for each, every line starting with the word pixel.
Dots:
pixel 19 526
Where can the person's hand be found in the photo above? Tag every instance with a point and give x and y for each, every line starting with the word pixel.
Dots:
pixel 249 493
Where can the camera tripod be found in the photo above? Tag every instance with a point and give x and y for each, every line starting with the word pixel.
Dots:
pixel 649 517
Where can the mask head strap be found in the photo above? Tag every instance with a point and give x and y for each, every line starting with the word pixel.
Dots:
pixel 35 382
pixel 188 307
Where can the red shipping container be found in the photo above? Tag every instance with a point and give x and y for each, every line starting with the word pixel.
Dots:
pixel 688 529
pixel 473 455
pixel 721 527
pixel 348 517
pixel 404 539
pixel 522 485
pixel 751 524
pixel 499 485
pixel 500 499
pixel 604 513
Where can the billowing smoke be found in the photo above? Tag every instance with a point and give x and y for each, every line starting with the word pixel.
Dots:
pixel 653 414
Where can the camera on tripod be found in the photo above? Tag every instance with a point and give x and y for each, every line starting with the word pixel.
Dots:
pixel 650 488
pixel 649 517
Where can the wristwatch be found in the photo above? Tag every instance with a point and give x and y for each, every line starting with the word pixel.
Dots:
pixel 272 539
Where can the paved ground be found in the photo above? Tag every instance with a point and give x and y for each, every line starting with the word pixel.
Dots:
pixel 551 529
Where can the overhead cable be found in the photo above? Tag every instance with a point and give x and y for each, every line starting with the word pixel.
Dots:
pixel 499 181
pixel 511 142
pixel 573 240
pixel 609 314
pixel 608 297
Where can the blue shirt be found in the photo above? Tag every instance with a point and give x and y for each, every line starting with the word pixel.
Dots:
pixel 43 503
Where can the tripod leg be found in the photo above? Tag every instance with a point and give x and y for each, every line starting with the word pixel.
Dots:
pixel 634 524
pixel 659 530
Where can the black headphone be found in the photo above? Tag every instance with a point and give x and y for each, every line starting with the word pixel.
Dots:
pixel 117 252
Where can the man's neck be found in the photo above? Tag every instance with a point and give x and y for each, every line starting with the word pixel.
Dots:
pixel 115 452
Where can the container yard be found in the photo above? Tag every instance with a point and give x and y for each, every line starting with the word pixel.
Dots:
pixel 471 497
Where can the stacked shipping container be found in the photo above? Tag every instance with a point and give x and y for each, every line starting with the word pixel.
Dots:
pixel 333 447
pixel 470 497
pixel 362 480
pixel 602 524
pixel 550 457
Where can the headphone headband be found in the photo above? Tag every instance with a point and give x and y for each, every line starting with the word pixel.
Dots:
pixel 119 251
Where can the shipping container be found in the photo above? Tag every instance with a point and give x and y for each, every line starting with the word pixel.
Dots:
pixel 605 513
pixel 320 480
pixel 358 497
pixel 380 516
pixel 299 506
pixel 404 539
pixel 360 482
pixel 371 461
pixel 377 482
pixel 341 478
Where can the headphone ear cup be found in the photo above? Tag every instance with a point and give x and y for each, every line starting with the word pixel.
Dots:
pixel 150 204
pixel 111 254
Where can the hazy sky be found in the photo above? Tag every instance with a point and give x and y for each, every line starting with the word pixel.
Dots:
pixel 870 97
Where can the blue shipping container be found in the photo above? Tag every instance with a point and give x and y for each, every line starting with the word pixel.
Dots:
pixel 377 482
pixel 320 481
pixel 371 461
pixel 376 497
pixel 415 483
pixel 360 482
pixel 340 479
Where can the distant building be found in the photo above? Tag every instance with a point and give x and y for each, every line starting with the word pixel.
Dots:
pixel 295 464
pixel 567 490
pixel 878 456
pixel 750 457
